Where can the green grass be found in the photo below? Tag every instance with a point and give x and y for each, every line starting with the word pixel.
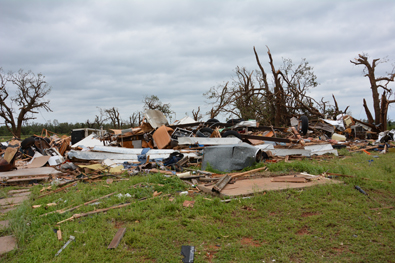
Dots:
pixel 6 138
pixel 328 223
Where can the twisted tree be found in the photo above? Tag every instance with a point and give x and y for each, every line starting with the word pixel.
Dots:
pixel 381 101
pixel 253 95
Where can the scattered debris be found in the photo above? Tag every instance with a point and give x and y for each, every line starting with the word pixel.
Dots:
pixel 72 238
pixel 188 252
pixel 188 203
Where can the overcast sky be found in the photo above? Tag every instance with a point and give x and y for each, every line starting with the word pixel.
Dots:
pixel 113 53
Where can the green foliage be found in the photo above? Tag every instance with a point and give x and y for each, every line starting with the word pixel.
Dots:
pixel 153 103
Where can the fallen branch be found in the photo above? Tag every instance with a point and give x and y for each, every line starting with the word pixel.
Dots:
pixel 57 190
pixel 75 216
pixel 87 203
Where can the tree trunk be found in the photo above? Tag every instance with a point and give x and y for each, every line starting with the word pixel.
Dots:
pixel 367 111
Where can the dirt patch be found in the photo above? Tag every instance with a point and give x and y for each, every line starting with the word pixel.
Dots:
pixel 303 231
pixel 307 214
pixel 272 213
pixel 249 242
pixel 118 224
pixel 210 252
pixel 338 249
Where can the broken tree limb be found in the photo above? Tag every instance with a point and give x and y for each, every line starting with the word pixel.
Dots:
pixel 57 190
pixel 87 203
pixel 75 216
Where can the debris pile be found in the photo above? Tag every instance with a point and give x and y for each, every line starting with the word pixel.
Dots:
pixel 197 152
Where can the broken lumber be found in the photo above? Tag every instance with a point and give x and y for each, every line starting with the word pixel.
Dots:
pixel 289 179
pixel 221 183
pixel 302 142
pixel 57 190
pixel 75 216
pixel 248 172
pixel 87 203
pixel 117 238
pixel 154 170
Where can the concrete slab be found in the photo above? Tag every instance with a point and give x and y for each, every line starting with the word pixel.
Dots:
pixel 13 200
pixel 7 244
pixel 4 211
pixel 251 186
pixel 29 172
pixel 4 224
pixel 18 191
pixel 20 194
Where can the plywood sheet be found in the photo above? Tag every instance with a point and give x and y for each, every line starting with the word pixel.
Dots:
pixel 38 162
pixel 29 172
pixel 251 186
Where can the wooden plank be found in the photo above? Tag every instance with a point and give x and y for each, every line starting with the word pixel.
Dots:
pixel 117 238
pixel 248 172
pixel 221 183
pixel 27 179
pixel 264 138
pixel 59 234
pixel 289 179
pixel 31 172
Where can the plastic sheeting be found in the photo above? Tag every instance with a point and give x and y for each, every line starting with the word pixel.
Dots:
pixel 228 158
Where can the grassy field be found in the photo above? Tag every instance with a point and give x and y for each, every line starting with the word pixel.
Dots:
pixel 328 223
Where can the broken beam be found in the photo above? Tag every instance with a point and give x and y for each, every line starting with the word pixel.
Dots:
pixel 117 238
pixel 221 183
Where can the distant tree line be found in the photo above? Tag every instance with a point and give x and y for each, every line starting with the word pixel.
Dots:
pixel 61 128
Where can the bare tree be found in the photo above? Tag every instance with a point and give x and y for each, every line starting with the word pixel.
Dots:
pixel 252 95
pixel 196 115
pixel 114 116
pixel 153 103
pixel 135 119
pixel 380 101
pixel 100 119
pixel 30 90
pixel 221 96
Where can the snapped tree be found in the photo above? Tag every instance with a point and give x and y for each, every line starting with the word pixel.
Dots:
pixel 29 91
pixel 253 95
pixel 381 101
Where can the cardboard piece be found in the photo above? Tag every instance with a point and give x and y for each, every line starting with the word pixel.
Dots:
pixel 162 136
pixel 38 162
